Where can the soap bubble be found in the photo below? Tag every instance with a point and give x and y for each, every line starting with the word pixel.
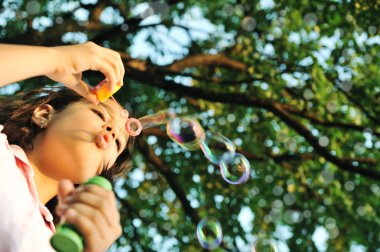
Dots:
pixel 248 24
pixel 186 131
pixel 209 233
pixel 217 148
pixel 264 245
pixel 156 119
pixel 237 170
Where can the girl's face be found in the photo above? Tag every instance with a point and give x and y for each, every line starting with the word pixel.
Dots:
pixel 80 141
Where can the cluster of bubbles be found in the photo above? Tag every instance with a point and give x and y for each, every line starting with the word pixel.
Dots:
pixel 189 134
pixel 234 167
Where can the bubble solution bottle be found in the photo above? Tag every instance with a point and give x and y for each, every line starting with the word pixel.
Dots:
pixel 103 92
pixel 67 238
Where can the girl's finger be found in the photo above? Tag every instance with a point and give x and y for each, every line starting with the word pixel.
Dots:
pixel 103 205
pixel 119 64
pixel 88 220
pixel 83 89
pixel 108 69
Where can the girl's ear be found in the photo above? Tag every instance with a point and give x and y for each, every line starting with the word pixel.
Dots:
pixel 42 115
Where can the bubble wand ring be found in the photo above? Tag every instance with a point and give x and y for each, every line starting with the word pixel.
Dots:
pixel 133 127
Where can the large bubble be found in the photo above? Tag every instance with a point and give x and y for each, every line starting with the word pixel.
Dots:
pixel 209 233
pixel 217 148
pixel 186 132
pixel 237 170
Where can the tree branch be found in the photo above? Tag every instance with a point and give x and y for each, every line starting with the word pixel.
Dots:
pixel 154 78
pixel 170 178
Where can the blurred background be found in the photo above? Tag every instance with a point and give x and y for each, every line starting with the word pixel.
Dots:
pixel 293 84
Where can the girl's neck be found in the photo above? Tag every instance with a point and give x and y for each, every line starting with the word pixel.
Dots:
pixel 47 187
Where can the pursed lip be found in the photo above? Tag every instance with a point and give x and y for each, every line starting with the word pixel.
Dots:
pixel 103 140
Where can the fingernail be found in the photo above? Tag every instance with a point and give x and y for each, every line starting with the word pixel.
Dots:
pixel 67 199
pixel 70 213
pixel 62 207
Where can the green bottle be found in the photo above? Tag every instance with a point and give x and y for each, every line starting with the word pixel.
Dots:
pixel 67 238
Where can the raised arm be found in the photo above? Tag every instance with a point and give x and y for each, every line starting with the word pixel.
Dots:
pixel 63 64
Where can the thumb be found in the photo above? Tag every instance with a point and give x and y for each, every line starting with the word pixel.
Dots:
pixel 76 83
pixel 65 187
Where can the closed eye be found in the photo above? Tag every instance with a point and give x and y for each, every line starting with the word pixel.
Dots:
pixel 118 144
pixel 100 114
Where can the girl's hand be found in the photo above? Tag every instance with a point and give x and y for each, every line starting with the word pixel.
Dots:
pixel 72 60
pixel 92 209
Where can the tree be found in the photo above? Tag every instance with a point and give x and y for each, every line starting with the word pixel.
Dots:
pixel 294 84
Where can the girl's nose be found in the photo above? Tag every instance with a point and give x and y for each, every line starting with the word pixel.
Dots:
pixel 111 129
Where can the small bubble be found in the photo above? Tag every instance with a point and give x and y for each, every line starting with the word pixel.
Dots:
pixel 368 130
pixel 267 218
pixel 239 10
pixel 254 191
pixel 327 176
pixel 124 27
pixel 306 214
pixel 361 210
pixel 375 189
pixel 289 199
pixel 349 186
pixel 228 10
pixel 372 29
pixel 290 144
pixel 278 190
pixel 147 13
pixel 346 86
pixel 327 201
pixel 332 107
pixel 160 8
pixel 282 136
pixel 330 223
pixel 59 20
pixel 333 233
pixel 269 179
pixel 248 24
pixel 293 216
pixel 359 148
pixel 308 94
pixel 33 7
pixel 263 244
pixel 349 18
pixel 310 19
pixel 262 203
pixel 255 119
pixel 368 58
pixel 231 118
pixel 323 141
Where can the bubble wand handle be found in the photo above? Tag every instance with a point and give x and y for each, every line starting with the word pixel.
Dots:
pixel 67 238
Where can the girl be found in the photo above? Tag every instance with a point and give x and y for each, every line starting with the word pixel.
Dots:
pixel 53 139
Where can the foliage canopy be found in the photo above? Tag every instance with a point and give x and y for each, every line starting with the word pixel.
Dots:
pixel 295 85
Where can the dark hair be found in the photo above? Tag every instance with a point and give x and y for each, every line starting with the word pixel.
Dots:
pixel 16 114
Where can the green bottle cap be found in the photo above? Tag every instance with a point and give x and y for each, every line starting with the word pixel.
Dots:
pixel 100 181
pixel 66 239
